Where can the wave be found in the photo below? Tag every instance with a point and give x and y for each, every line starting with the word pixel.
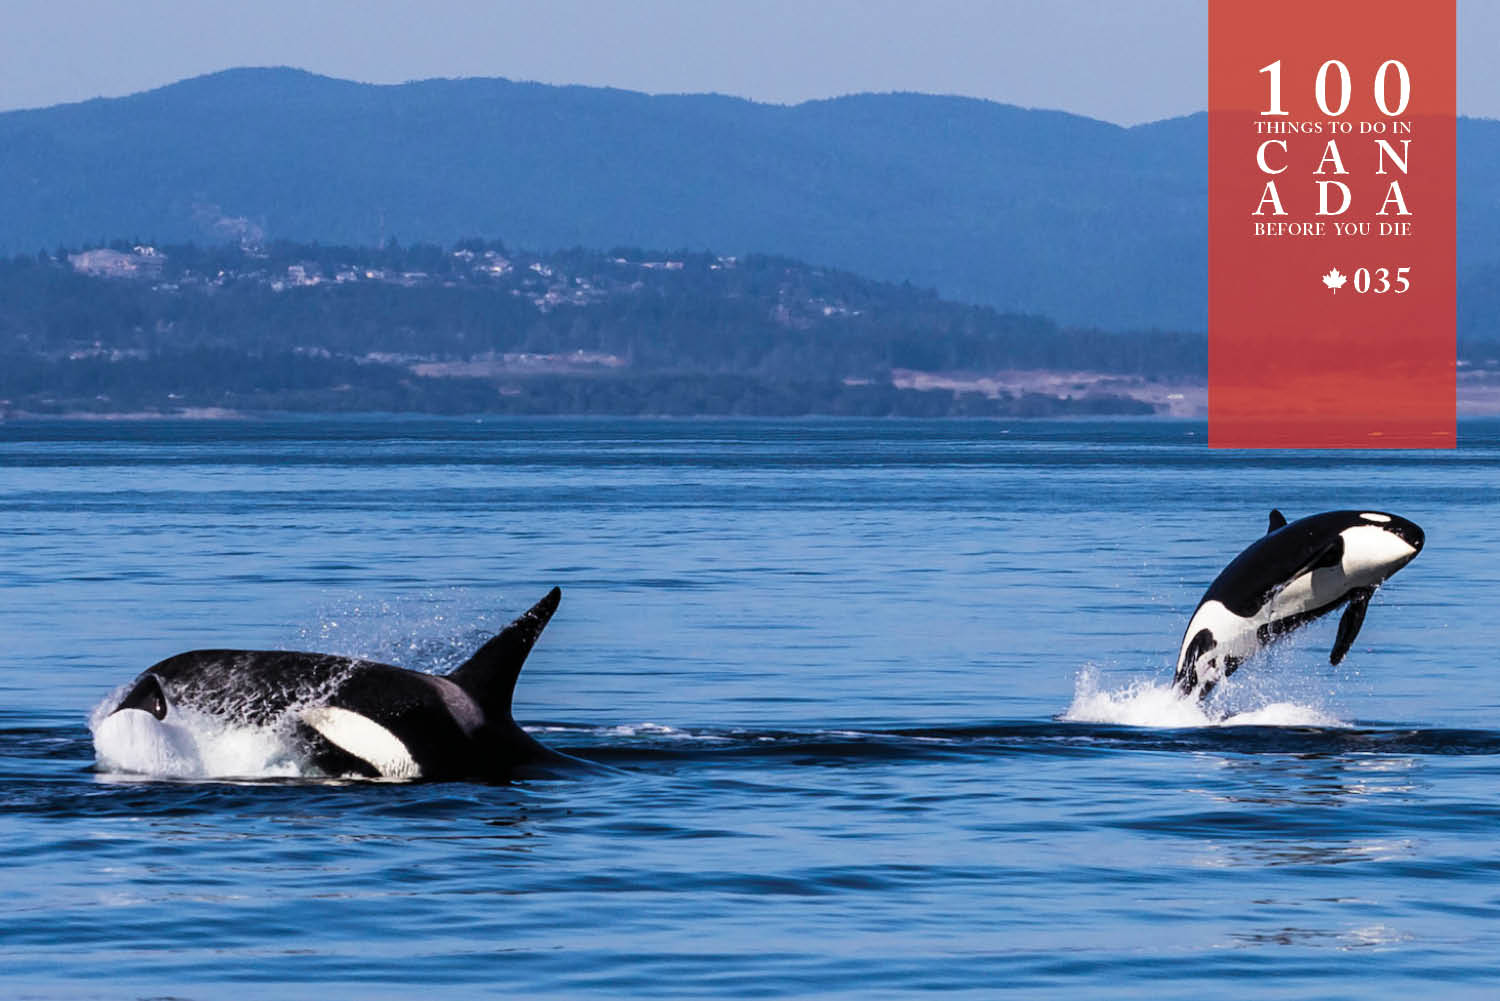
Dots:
pixel 136 745
pixel 1243 734
pixel 437 630
pixel 1143 714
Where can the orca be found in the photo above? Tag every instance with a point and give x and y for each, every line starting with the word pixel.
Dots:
pixel 1295 573
pixel 350 717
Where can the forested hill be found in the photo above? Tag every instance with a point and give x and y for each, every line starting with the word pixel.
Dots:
pixel 479 327
pixel 1028 211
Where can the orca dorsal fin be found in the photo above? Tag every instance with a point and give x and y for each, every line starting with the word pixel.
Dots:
pixel 1349 623
pixel 490 675
pixel 1278 520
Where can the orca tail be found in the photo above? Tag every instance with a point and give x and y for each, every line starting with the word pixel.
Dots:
pixel 490 675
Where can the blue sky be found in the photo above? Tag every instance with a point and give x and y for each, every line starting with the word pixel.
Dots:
pixel 1124 61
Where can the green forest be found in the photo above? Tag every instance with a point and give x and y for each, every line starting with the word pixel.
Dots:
pixel 480 328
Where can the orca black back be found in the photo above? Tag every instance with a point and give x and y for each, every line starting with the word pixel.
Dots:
pixel 355 717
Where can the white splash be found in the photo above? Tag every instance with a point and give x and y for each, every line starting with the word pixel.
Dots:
pixel 1157 704
pixel 186 745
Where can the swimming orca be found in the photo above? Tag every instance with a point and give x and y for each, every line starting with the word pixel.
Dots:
pixel 1292 575
pixel 349 717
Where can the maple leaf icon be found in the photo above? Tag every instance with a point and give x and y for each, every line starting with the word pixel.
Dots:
pixel 1334 280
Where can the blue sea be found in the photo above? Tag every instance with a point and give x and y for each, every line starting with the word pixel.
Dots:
pixel 885 707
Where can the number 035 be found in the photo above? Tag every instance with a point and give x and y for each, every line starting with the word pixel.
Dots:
pixel 1380 281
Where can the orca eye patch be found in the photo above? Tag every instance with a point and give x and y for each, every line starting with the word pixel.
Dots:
pixel 1375 516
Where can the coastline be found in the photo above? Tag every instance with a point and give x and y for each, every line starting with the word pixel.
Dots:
pixel 1478 396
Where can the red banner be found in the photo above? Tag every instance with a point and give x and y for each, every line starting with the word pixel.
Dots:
pixel 1331 223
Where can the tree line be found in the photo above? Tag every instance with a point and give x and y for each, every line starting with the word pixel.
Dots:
pixel 306 326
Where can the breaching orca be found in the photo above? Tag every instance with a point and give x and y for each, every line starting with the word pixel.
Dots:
pixel 353 717
pixel 1292 575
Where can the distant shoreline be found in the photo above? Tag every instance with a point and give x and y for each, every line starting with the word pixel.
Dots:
pixel 1478 397
pixel 254 416
pixel 1468 409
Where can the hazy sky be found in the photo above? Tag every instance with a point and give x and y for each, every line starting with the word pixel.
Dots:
pixel 1124 61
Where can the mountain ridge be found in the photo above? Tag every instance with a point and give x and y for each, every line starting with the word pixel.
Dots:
pixel 1025 210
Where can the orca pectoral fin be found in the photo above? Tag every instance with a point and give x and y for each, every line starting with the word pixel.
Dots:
pixel 1330 555
pixel 1349 623
pixel 1278 520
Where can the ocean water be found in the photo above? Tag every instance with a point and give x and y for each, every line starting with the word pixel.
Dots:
pixel 884 703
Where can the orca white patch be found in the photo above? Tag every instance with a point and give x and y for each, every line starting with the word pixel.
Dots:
pixel 365 739
pixel 1375 516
